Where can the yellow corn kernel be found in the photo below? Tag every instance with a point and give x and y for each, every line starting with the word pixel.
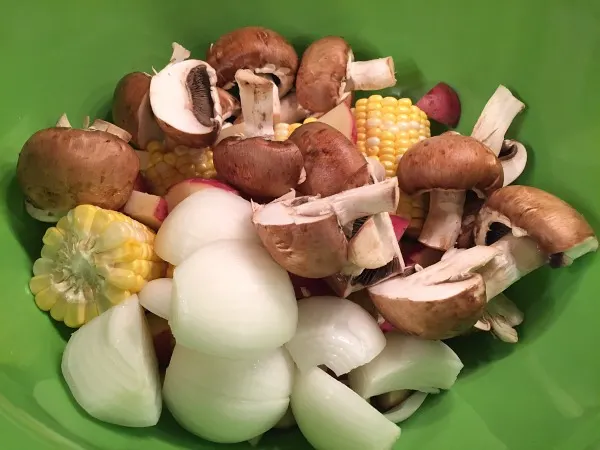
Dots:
pixel 169 167
pixel 386 129
pixel 284 130
pixel 92 260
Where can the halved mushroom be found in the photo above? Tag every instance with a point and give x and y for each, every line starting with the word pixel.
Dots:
pixel 530 227
pixel 256 48
pixel 305 235
pixel 252 161
pixel 513 157
pixel 439 302
pixel 447 166
pixel 131 109
pixel 62 167
pixel 332 162
pixel 185 100
pixel 328 74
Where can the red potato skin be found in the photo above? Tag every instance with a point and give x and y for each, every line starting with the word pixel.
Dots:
pixel 442 104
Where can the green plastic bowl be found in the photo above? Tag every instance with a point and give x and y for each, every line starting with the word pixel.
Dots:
pixel 543 393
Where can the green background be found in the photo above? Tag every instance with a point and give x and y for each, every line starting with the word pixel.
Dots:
pixel 544 393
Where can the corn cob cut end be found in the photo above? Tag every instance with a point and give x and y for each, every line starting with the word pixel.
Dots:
pixel 169 167
pixel 91 260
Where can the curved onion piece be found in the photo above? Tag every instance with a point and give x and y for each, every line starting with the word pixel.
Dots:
pixel 110 367
pixel 332 417
pixel 407 363
pixel 230 299
pixel 407 408
pixel 155 297
pixel 334 332
pixel 206 216
pixel 228 401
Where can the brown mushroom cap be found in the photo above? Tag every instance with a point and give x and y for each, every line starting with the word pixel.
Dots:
pixel 60 168
pixel 332 162
pixel 450 162
pixel 131 109
pixel 255 48
pixel 439 302
pixel 257 166
pixel 322 72
pixel 552 223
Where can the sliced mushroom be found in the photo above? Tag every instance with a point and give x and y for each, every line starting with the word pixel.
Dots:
pixel 305 234
pixel 538 228
pixel 60 168
pixel 332 162
pixel 185 100
pixel 328 74
pixel 513 157
pixel 256 48
pixel 466 238
pixel 131 109
pixel 501 316
pixel 497 115
pixel 447 166
pixel 251 161
pixel 439 302
pixel 230 106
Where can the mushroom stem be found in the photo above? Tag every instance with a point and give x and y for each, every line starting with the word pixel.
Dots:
pixel 180 53
pixel 443 222
pixel 503 315
pixel 355 203
pixel 371 75
pixel 256 97
pixel 518 256
pixel 290 111
pixel 48 216
pixel 494 121
pixel 63 121
pixel 103 125
pixel 514 162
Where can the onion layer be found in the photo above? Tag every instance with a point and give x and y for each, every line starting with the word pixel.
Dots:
pixel 407 363
pixel 334 332
pixel 407 408
pixel 110 367
pixel 231 299
pixel 155 297
pixel 228 401
pixel 206 216
pixel 332 417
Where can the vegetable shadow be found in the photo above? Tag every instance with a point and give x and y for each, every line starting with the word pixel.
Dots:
pixel 26 230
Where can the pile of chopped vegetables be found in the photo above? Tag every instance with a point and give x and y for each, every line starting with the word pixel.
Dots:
pixel 285 256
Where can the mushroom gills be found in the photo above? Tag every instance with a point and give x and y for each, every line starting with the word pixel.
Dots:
pixel 198 84
pixel 91 260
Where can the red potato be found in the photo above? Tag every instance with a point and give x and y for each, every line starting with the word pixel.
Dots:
pixel 162 338
pixel 184 189
pixel 442 105
pixel 342 119
pixel 400 225
pixel 148 209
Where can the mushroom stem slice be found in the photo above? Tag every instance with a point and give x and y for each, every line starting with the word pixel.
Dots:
pixel 179 54
pixel 256 96
pixel 371 75
pixel 103 125
pixel 372 246
pixel 518 256
pixel 354 203
pixel 63 121
pixel 443 223
pixel 494 121
pixel 514 162
pixel 503 315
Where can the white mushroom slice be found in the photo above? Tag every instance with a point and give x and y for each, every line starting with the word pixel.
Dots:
pixel 494 121
pixel 514 162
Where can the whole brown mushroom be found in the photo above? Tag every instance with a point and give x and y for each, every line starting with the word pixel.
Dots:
pixel 332 162
pixel 60 168
pixel 328 74
pixel 447 166
pixel 259 49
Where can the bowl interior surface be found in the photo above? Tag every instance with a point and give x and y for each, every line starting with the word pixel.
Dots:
pixel 543 393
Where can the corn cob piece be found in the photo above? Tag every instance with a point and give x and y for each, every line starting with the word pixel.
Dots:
pixel 169 167
pixel 91 260
pixel 413 209
pixel 388 127
pixel 284 130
